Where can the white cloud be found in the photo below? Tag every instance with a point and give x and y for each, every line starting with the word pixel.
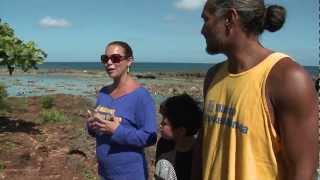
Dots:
pixel 49 22
pixel 170 18
pixel 189 4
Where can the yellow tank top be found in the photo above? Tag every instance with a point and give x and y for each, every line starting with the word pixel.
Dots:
pixel 240 141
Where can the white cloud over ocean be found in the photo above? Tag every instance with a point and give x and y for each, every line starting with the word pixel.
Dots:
pixel 189 5
pixel 50 22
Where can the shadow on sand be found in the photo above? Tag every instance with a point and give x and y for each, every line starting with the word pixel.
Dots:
pixel 10 125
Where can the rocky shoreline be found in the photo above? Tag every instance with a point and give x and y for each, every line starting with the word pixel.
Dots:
pixel 71 81
pixel 146 75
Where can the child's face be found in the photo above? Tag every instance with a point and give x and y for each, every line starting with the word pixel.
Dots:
pixel 165 129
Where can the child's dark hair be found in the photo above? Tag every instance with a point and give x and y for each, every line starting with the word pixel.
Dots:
pixel 182 111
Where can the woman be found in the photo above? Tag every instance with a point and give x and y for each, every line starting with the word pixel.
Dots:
pixel 127 120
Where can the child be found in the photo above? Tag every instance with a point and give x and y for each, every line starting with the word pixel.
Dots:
pixel 181 120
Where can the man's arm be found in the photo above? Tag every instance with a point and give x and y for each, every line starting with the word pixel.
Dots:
pixel 294 103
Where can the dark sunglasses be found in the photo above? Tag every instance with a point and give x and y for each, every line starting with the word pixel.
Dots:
pixel 115 58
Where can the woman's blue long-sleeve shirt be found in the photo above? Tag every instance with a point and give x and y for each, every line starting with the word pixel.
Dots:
pixel 121 156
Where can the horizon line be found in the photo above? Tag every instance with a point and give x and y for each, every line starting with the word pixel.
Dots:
pixel 164 62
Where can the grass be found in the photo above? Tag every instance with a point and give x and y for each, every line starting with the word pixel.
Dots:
pixel 9 146
pixel 81 132
pixel 4 107
pixel 20 104
pixel 2 166
pixel 47 102
pixel 52 116
pixel 88 175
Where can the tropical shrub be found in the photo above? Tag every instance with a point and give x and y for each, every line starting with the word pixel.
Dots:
pixel 16 53
pixel 4 106
pixel 47 102
pixel 52 116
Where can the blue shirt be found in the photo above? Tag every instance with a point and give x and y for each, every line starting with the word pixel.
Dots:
pixel 121 156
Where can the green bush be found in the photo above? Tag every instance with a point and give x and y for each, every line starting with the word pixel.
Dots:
pixel 52 116
pixel 2 166
pixel 88 175
pixel 21 104
pixel 4 106
pixel 3 92
pixel 47 102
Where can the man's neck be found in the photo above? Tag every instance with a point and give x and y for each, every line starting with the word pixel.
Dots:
pixel 246 54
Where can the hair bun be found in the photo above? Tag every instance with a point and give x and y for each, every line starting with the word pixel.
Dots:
pixel 274 18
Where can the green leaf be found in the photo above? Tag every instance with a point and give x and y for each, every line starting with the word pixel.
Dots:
pixel 14 52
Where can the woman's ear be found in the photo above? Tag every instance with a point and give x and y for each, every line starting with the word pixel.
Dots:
pixel 130 61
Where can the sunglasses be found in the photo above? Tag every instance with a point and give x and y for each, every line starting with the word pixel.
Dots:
pixel 115 58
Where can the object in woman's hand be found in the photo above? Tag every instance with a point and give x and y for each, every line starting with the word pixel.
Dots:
pixel 95 114
pixel 104 113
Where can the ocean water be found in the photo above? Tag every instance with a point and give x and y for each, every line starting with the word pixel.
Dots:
pixel 37 85
pixel 148 67
pixel 137 67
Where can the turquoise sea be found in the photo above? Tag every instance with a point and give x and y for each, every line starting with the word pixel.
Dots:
pixel 148 67
pixel 43 84
pixel 137 67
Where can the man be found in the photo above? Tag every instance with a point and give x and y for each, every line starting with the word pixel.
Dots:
pixel 260 115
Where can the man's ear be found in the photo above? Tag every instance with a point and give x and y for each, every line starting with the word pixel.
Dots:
pixel 231 18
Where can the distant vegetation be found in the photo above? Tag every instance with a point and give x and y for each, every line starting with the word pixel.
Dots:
pixel 3 99
pixel 47 102
pixel 2 166
pixel 49 115
pixel 16 53
pixel 3 91
pixel 53 116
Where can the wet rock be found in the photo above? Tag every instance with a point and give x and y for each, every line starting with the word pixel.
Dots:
pixel 145 76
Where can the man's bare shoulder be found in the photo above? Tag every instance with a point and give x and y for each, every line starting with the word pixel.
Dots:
pixel 289 82
pixel 287 73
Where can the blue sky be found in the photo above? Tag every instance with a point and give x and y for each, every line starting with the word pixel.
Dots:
pixel 158 30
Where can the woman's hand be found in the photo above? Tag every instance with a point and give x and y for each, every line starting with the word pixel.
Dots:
pixel 91 120
pixel 108 126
